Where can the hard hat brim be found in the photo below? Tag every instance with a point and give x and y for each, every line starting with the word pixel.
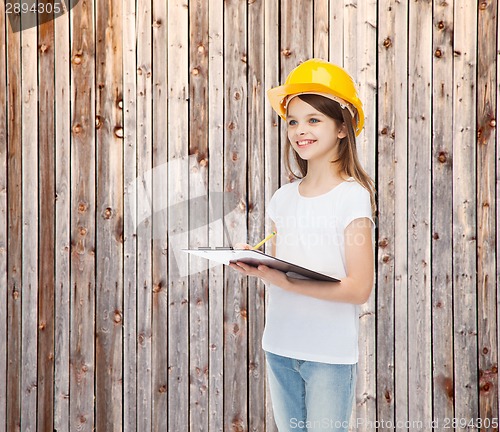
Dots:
pixel 277 97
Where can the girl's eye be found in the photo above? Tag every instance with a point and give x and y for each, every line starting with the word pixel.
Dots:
pixel 292 123
pixel 313 120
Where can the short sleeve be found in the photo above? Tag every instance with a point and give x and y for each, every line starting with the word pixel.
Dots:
pixel 357 205
pixel 271 207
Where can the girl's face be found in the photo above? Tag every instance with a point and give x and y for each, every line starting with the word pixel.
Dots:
pixel 313 135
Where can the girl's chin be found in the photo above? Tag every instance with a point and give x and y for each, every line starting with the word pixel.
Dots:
pixel 303 155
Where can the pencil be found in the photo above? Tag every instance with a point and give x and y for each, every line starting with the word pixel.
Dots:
pixel 258 245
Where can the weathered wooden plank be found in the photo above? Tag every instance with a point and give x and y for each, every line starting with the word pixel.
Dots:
pixel 366 31
pixel 83 184
pixel 216 213
pixel 350 38
pixel 144 214
pixel 62 132
pixel 178 186
pixel 385 361
pixel 198 295
pixel 486 210
pixel 3 178
pixel 400 84
pixel 14 233
pixel 360 41
pixel 442 224
pixel 109 229
pixel 46 201
pixel 235 165
pixel 129 218
pixel 198 215
pixel 3 221
pixel 321 27
pixel 271 139
pixel 159 220
pixel 464 214
pixel 496 111
pixel 256 214
pixel 336 32
pixel 29 326
pixel 419 164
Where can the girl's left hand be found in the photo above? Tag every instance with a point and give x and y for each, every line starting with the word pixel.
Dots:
pixel 267 274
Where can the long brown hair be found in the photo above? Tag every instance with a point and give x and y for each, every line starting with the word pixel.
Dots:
pixel 347 153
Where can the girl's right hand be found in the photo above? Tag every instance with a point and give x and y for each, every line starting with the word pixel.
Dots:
pixel 242 246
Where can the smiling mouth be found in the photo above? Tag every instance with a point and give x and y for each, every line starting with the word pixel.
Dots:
pixel 305 143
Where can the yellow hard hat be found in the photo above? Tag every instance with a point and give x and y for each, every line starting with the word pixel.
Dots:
pixel 319 77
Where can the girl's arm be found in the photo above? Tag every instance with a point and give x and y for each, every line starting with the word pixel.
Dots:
pixel 354 288
pixel 357 285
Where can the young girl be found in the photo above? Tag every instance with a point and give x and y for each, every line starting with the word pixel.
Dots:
pixel 324 222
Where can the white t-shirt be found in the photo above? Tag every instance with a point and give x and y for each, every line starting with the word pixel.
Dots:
pixel 311 234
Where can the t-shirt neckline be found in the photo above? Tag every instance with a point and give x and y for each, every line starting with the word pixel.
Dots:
pixel 323 194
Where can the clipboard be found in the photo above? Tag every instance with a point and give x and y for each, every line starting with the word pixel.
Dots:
pixel 225 255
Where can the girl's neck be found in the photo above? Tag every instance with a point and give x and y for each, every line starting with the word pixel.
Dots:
pixel 323 175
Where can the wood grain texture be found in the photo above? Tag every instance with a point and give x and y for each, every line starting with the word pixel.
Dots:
pixel 62 222
pixel 493 123
pixel 109 217
pixel 159 219
pixel 387 108
pixel 321 29
pixel 199 216
pixel 486 210
pixel 14 234
pixel 442 224
pixel 46 208
pixel 178 215
pixel 130 217
pixel 235 211
pixel 29 325
pixel 256 223
pixel 3 222
pixel 216 214
pixel 419 211
pixel 83 212
pixel 360 60
pixel 464 212
pixel 400 86
pixel 133 129
pixel 144 231
pixel 336 33
pixel 272 154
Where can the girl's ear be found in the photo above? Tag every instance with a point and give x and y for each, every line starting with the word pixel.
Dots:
pixel 342 131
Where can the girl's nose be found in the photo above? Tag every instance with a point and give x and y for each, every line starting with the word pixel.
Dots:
pixel 300 129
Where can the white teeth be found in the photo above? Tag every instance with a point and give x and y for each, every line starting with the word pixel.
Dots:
pixel 304 142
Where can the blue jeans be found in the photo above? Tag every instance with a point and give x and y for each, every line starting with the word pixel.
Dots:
pixel 310 396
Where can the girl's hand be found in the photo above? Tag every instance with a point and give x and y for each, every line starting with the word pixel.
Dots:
pixel 242 246
pixel 267 274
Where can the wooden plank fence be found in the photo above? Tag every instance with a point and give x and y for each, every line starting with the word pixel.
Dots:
pixel 132 129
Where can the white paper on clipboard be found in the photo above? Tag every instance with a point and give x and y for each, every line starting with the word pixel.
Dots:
pixel 255 258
